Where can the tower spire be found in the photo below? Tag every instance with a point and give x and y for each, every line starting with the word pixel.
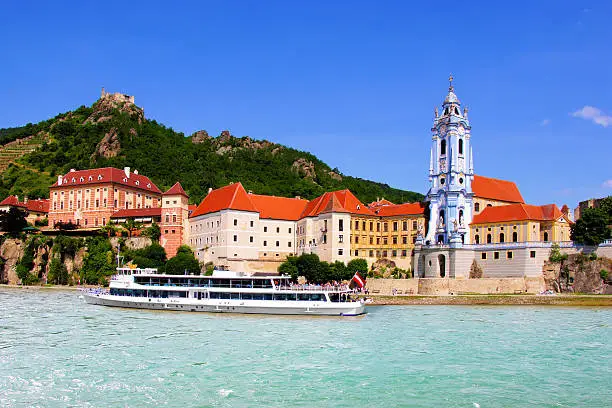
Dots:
pixel 450 83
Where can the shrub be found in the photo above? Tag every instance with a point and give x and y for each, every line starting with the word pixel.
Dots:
pixel 58 274
pixel 604 274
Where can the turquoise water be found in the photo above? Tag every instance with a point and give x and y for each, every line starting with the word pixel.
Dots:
pixel 56 351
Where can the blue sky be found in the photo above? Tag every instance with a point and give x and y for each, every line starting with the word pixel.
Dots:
pixel 354 82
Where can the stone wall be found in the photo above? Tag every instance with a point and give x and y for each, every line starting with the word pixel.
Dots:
pixel 443 286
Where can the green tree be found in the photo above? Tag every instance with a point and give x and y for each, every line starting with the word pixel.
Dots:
pixel 559 257
pixel 99 262
pixel 183 262
pixel 592 227
pixel 308 266
pixel 357 265
pixel 289 267
pixel 153 232
pixel 13 221
pixel 58 274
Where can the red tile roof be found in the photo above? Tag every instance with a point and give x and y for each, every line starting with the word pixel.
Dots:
pixel 107 175
pixel 176 189
pixel 40 205
pixel 336 201
pixel 278 208
pixel 496 189
pixel 518 212
pixel 137 212
pixel 232 197
pixel 380 203
pixel 12 201
pixel 400 209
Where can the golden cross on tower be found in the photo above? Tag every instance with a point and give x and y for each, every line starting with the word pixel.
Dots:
pixel 450 82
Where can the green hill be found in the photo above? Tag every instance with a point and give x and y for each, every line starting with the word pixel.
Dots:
pixel 114 132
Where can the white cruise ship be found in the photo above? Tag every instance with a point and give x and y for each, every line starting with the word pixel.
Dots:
pixel 224 291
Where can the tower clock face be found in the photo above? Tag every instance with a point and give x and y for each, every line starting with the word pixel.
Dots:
pixel 442 129
pixel 461 130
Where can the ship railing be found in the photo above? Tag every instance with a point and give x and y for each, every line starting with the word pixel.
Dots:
pixel 310 288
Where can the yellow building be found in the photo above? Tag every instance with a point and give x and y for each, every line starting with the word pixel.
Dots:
pixel 389 232
pixel 520 223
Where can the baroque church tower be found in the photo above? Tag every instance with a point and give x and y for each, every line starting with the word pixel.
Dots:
pixel 451 171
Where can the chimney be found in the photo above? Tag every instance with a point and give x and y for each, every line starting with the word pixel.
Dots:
pixel 59 180
pixel 126 170
pixel 298 197
pixel 250 192
pixel 135 171
pixel 25 199
pixel 209 190
pixel 72 170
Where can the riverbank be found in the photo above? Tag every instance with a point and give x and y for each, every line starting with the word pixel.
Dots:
pixel 551 300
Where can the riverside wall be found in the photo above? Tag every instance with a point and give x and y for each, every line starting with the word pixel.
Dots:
pixel 450 286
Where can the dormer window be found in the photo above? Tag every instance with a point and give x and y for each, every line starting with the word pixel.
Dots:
pixel 358 207
pixel 74 180
pixel 99 177
pixel 137 182
pixel 124 180
pixel 149 185
pixel 65 180
pixel 90 178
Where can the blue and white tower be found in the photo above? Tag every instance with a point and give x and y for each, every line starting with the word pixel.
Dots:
pixel 451 171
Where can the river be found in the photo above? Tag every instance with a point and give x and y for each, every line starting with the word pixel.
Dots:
pixel 57 351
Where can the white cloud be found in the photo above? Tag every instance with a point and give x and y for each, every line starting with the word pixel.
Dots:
pixel 545 122
pixel 593 114
pixel 607 184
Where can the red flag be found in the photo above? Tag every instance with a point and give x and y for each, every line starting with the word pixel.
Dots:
pixel 358 280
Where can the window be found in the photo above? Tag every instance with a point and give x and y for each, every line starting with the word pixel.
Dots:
pixel 394 225
pixel 341 238
pixel 483 255
pixel 460 146
pixel 235 238
pixel 404 240
pixel 277 243
pixel 532 254
pixel 495 255
pixel 404 252
pixel 167 218
pixel 385 227
pixel 265 229
pixel 289 230
pixel 250 239
pixel 502 237
pixel 277 230
pixel 265 243
pixel 356 239
pixel 414 225
pixel 477 207
pixel 340 225
pixel 385 241
pixel 394 240
pixel 173 217
pixel 289 244
pixel 340 251
pixel 405 226
pixel 477 239
pixel 371 253
pixel 514 237
pixel 325 239
pixel 371 240
pixel 442 147
pixel 546 237
pixel 509 254
pixel 356 225
pixel 235 222
pixel 384 253
pixel 356 252
pixel 394 253
pixel 488 238
pixel 371 226
pixel 252 223
pixel 363 225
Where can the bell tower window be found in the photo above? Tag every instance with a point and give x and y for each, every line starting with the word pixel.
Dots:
pixel 460 146
pixel 443 147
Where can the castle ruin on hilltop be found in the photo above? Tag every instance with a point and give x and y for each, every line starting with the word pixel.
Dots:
pixel 117 96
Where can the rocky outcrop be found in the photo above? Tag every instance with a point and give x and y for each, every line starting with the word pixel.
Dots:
pixel 475 270
pixel 334 175
pixel 109 146
pixel 104 107
pixel 305 168
pixel 132 243
pixel 249 143
pixel 580 273
pixel 11 252
pixel 224 137
pixel 200 137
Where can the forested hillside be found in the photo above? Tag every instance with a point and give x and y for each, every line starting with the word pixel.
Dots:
pixel 116 133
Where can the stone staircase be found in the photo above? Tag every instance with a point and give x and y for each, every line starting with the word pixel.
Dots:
pixel 18 148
